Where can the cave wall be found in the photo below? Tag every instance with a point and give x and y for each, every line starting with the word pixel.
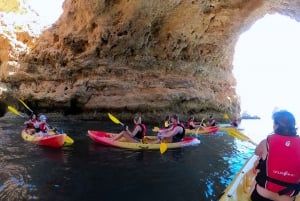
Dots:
pixel 154 57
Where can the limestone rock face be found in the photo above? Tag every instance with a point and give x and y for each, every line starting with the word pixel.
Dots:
pixel 153 57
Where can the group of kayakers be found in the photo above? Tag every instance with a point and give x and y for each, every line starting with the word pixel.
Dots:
pixel 37 125
pixel 278 166
pixel 173 130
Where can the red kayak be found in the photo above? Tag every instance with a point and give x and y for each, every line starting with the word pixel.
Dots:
pixel 49 141
pixel 105 139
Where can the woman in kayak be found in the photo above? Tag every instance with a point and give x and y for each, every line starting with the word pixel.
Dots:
pixel 32 124
pixel 278 166
pixel 173 134
pixel 137 134
pixel 191 124
pixel 212 121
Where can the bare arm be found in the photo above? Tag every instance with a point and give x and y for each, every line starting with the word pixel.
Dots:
pixel 171 133
pixel 261 149
pixel 134 132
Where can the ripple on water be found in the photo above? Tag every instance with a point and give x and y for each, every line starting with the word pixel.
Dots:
pixel 14 183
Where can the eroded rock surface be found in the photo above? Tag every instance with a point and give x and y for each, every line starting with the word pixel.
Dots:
pixel 154 57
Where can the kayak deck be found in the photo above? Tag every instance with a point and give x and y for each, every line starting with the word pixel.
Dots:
pixel 105 138
pixel 49 141
pixel 240 187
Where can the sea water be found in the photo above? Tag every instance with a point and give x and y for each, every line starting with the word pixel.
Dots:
pixel 87 171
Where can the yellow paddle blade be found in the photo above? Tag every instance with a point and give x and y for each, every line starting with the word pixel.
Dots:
pixel 163 147
pixel 237 134
pixel 14 110
pixel 114 119
pixel 25 105
pixel 226 116
pixel 69 140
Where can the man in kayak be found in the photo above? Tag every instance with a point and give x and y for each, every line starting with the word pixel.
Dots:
pixel 278 166
pixel 136 135
pixel 173 134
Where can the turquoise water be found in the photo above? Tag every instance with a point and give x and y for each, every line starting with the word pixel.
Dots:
pixel 89 171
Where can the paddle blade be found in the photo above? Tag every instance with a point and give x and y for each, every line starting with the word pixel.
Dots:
pixel 114 119
pixel 25 105
pixel 226 116
pixel 237 134
pixel 14 110
pixel 68 140
pixel 163 147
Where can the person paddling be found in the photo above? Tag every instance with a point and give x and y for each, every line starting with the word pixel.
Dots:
pixel 173 134
pixel 32 124
pixel 43 126
pixel 191 124
pixel 212 121
pixel 136 135
pixel 278 166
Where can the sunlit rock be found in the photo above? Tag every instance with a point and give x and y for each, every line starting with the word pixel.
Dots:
pixel 153 57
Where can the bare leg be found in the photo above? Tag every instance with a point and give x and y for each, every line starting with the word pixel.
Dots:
pixel 118 136
pixel 126 135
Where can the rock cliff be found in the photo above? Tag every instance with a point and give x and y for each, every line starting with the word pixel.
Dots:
pixel 153 57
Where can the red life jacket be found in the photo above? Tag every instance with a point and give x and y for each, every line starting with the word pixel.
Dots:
pixel 32 123
pixel 281 171
pixel 43 127
pixel 179 135
pixel 141 133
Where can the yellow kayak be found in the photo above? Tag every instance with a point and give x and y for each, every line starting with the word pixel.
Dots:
pixel 239 189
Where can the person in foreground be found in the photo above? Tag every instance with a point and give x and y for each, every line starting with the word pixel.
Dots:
pixel 174 133
pixel 278 167
pixel 136 135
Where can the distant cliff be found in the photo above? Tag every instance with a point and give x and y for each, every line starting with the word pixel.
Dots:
pixel 153 57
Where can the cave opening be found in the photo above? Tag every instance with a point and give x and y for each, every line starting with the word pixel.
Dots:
pixel 266 63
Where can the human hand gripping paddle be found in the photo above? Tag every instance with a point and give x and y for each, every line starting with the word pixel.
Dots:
pixel 68 140
pixel 163 146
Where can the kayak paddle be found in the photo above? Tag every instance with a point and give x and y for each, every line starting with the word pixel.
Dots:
pixel 25 105
pixel 163 147
pixel 226 116
pixel 14 110
pixel 68 140
pixel 237 134
pixel 114 119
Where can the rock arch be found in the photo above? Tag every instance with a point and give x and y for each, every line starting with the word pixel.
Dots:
pixel 155 57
